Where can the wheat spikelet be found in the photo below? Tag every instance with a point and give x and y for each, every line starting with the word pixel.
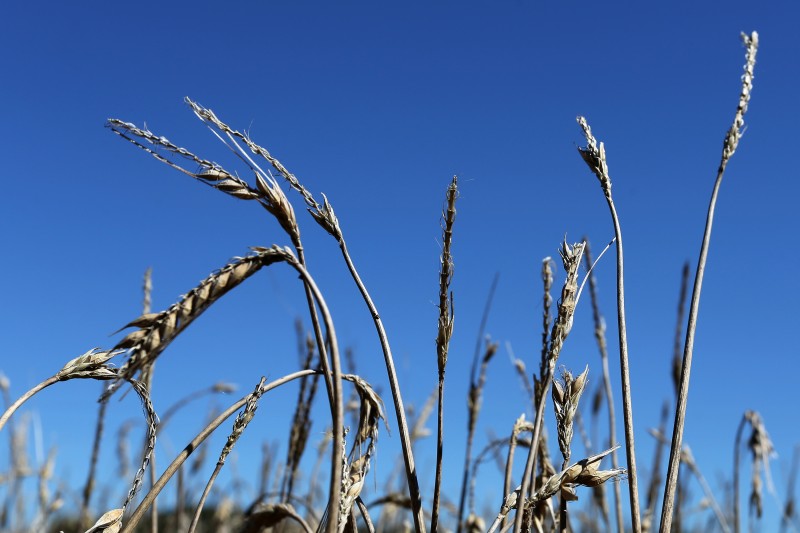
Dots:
pixel 157 330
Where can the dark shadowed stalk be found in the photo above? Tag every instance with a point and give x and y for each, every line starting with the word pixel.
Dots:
pixel 445 332
pixel 728 148
pixel 326 218
pixel 600 337
pixel 688 459
pixel 474 403
pixel 365 515
pixel 571 261
pixel 481 329
pixel 5 387
pixel 239 425
pixel 789 509
pixel 301 421
pixel 677 350
pixel 88 488
pixel 655 475
pixel 595 158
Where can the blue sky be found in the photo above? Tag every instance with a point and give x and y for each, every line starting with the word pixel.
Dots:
pixel 378 106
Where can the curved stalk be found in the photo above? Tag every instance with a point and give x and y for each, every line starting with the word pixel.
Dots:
pixel 136 517
pixel 25 397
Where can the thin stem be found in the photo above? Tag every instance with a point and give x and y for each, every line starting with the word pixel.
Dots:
pixel 600 337
pixel 25 397
pixel 405 441
pixel 471 423
pixel 437 487
pixel 736 466
pixel 365 515
pixel 88 488
pixel 627 404
pixel 595 157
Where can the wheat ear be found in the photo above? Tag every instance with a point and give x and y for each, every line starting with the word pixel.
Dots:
pixel 239 425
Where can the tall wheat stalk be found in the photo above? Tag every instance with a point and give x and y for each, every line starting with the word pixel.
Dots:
pixel 728 148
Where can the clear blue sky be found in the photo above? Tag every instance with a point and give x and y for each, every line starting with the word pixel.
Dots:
pixel 378 106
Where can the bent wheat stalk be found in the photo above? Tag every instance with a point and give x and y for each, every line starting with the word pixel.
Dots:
pixel 595 158
pixel 324 215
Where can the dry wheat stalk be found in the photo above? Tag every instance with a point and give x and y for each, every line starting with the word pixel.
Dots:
pixel 520 425
pixel 595 157
pixel 729 147
pixel 444 333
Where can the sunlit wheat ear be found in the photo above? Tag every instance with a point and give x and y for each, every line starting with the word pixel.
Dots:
pixel 157 330
pixel 267 191
pixel 735 132
pixel 323 214
pixel 370 412
pixel 110 522
pixel 355 471
pixel 584 473
pixel 566 395
pixel 571 259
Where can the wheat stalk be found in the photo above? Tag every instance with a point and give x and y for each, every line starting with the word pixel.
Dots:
pixel 571 260
pixel 445 332
pixel 728 148
pixel 595 157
